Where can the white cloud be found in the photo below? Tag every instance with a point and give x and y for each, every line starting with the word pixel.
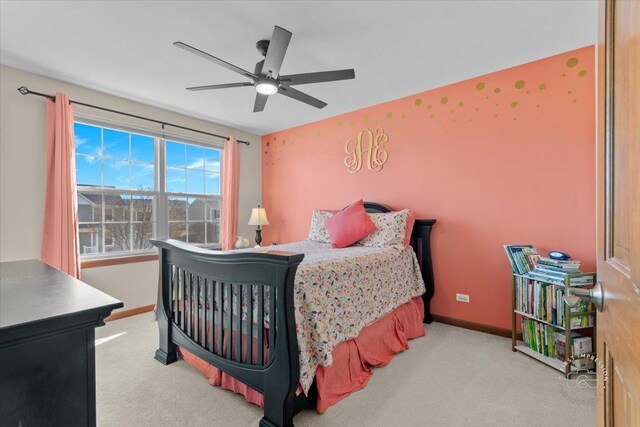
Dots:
pixel 206 165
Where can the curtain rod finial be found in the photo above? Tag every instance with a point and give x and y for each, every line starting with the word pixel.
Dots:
pixel 24 90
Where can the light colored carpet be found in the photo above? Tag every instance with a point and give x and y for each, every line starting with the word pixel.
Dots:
pixel 452 377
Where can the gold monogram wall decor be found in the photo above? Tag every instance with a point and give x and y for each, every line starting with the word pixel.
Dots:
pixel 376 156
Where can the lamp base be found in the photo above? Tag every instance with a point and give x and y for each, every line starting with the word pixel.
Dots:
pixel 258 236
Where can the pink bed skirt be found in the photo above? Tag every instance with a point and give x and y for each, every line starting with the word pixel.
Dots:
pixel 352 360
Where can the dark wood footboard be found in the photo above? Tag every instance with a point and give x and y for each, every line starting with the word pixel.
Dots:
pixel 202 296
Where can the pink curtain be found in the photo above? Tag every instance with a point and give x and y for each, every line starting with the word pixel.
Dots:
pixel 60 247
pixel 230 190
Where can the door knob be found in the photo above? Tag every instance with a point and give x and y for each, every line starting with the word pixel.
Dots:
pixel 595 295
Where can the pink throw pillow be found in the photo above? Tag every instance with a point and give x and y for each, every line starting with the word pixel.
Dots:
pixel 349 225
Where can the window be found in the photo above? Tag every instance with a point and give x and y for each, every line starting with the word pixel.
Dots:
pixel 193 193
pixel 134 186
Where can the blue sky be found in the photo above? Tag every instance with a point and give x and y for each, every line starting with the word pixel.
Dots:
pixel 128 162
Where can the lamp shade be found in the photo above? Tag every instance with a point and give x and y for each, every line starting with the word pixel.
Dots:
pixel 258 217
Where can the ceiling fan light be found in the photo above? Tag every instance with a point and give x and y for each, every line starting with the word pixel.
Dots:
pixel 266 87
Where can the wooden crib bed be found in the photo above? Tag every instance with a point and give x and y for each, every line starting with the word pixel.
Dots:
pixel 210 303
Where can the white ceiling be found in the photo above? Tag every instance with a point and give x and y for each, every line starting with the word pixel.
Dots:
pixel 397 48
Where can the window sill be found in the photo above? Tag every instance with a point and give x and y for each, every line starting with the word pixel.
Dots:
pixel 127 259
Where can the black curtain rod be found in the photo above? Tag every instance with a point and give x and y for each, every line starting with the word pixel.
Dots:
pixel 25 91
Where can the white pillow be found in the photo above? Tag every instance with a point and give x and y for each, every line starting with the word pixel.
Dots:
pixel 392 228
pixel 317 231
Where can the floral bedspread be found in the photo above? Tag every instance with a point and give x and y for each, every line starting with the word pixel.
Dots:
pixel 338 292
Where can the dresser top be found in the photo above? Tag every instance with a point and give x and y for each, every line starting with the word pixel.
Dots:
pixel 32 292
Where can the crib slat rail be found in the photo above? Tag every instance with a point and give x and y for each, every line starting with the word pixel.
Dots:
pixel 236 312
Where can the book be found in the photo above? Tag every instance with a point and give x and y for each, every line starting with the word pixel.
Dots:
pixel 559 263
pixel 538 337
pixel 572 269
pixel 557 278
pixel 523 258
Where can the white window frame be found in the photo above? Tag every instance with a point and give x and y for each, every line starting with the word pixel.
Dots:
pixel 160 195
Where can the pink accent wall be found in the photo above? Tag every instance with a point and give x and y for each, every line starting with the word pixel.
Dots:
pixel 504 158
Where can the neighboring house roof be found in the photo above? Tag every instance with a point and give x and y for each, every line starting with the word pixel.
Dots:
pixel 84 200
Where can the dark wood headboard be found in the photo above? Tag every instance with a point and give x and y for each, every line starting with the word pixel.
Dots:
pixel 421 244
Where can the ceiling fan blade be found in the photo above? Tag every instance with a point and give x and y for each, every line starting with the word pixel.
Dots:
pixel 301 96
pixel 319 77
pixel 212 58
pixel 277 48
pixel 258 68
pixel 221 86
pixel 261 100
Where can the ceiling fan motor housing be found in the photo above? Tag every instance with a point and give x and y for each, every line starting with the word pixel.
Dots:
pixel 262 46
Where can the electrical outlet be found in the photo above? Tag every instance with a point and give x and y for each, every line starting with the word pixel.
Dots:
pixel 462 297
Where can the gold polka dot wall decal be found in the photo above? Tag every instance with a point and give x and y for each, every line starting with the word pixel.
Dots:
pixel 389 115
pixel 542 86
pixel 564 75
pixel 496 90
pixel 365 118
pixel 527 92
pixel 480 86
pixel 497 104
pixel 267 143
pixel 461 104
pixel 572 62
pixel 444 100
pixel 495 115
pixel 339 124
pixel 486 97
pixel 582 73
pixel 569 92
pixel 417 102
pixel 429 107
pixel 519 84
pixel 403 116
pixel 514 104
pixel 538 106
pixel 575 100
pixel 431 116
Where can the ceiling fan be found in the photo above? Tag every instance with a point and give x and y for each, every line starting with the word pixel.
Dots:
pixel 266 77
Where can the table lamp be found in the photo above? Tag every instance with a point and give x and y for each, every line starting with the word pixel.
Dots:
pixel 258 217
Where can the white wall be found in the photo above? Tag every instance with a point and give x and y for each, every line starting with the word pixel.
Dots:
pixel 22 174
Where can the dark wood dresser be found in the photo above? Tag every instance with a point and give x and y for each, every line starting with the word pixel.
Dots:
pixel 47 346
